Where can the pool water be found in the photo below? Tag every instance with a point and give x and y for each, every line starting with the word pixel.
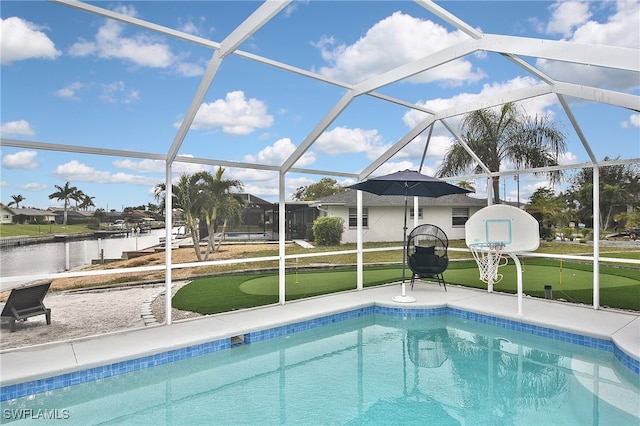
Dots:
pixel 376 369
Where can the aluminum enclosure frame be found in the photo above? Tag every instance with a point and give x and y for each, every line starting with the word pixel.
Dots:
pixel 509 47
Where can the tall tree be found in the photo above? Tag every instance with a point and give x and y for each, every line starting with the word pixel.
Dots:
pixel 323 188
pixel 64 194
pixel 506 134
pixel 100 215
pixel 86 202
pixel 17 199
pixel 619 189
pixel 188 199
pixel 548 208
pixel 219 203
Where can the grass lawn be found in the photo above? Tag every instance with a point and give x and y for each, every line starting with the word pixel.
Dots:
pixel 15 230
pixel 619 287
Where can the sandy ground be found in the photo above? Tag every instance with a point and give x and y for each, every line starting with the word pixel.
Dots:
pixel 80 313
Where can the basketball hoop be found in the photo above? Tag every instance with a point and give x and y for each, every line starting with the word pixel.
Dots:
pixel 489 258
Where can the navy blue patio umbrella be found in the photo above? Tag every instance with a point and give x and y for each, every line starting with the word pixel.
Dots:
pixel 408 183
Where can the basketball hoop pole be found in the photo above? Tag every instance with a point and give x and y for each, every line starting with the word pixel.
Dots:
pixel 490 280
pixel 519 275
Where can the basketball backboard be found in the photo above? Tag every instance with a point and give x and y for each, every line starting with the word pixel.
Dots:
pixel 501 223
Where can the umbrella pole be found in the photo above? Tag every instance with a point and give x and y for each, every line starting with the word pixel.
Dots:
pixel 404 247
pixel 403 297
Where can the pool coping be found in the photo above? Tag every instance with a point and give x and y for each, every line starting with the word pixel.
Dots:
pixel 39 368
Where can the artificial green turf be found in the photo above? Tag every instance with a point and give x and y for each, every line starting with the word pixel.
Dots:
pixel 573 281
pixel 619 287
pixel 213 295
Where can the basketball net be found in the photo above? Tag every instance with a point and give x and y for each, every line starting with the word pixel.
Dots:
pixel 489 258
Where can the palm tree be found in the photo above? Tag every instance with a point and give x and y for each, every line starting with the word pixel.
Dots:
pixel 188 199
pixel 219 203
pixel 86 202
pixel 466 185
pixel 506 134
pixel 64 194
pixel 78 196
pixel 17 199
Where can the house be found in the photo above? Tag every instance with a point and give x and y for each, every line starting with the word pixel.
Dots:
pixel 299 218
pixel 6 214
pixel 383 215
pixel 73 216
pixel 26 215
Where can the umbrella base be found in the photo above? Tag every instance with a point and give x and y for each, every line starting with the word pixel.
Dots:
pixel 403 299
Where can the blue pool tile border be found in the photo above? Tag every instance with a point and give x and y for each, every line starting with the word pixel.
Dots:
pixel 77 377
pixel 64 380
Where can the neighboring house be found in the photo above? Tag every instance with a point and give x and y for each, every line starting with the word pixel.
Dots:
pixel 299 215
pixel 26 215
pixel 383 216
pixel 6 214
pixel 72 215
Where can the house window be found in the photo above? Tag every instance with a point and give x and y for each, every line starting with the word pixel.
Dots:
pixel 353 218
pixel 459 216
pixel 419 213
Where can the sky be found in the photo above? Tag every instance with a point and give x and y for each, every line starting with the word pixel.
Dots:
pixel 74 78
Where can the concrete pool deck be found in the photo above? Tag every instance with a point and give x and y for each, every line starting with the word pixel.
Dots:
pixel 43 361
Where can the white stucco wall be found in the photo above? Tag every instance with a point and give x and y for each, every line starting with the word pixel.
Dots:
pixel 385 223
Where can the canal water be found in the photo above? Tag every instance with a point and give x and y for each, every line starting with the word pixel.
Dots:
pixel 51 257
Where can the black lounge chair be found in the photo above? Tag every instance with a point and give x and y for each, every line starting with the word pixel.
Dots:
pixel 427 253
pixel 26 302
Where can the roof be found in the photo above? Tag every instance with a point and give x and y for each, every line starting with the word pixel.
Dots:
pixel 70 212
pixel 348 199
pixel 255 201
pixel 31 212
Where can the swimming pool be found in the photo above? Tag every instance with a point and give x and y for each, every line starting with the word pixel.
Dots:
pixel 372 365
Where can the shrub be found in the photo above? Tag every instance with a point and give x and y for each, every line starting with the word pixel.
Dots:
pixel 547 233
pixel 327 230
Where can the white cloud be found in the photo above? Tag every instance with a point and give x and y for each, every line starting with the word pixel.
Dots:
pixel 110 43
pixel 4 184
pixel 634 121
pixel 20 127
pixel 34 187
pixel 235 114
pixel 567 158
pixel 189 69
pixel 261 183
pixel 277 153
pixel 566 16
pixel 344 140
pixel 20 160
pixel 193 26
pixel 438 146
pixel 622 28
pixel 158 166
pixel 20 40
pixel 392 42
pixel 535 106
pixel 79 172
pixel 396 166
pixel 70 91
pixel 116 92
